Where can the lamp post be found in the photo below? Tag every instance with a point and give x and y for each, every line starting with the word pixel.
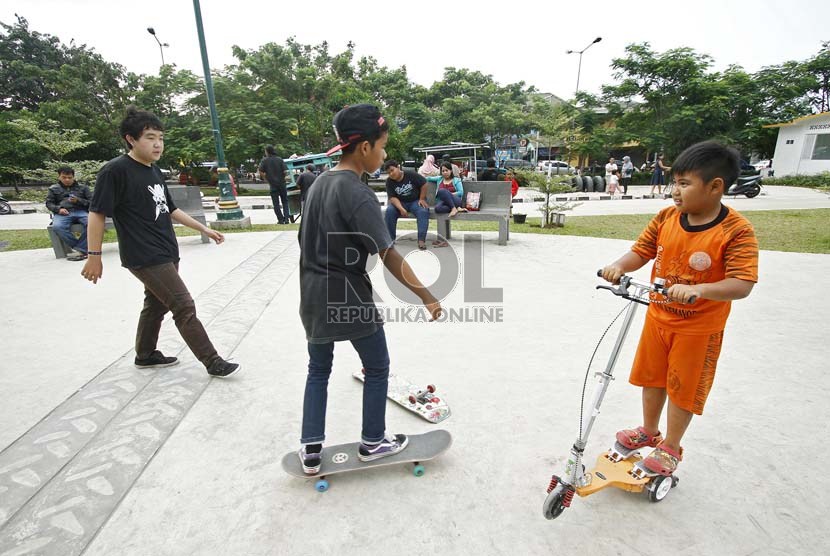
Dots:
pixel 230 215
pixel 161 44
pixel 580 52
pixel 578 73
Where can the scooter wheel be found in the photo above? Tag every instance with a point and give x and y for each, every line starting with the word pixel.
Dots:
pixel 554 503
pixel 659 488
pixel 753 192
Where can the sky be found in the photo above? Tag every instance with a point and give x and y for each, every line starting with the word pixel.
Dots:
pixel 512 42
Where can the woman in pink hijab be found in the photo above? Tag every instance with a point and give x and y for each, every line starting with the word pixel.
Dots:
pixel 428 168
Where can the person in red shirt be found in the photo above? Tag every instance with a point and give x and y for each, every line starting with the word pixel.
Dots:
pixel 514 185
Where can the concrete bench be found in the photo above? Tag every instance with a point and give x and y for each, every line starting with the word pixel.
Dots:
pixel 495 206
pixel 186 198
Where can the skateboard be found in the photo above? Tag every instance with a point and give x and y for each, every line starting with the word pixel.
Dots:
pixel 418 399
pixel 343 457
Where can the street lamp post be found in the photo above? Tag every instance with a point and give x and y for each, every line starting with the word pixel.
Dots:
pixel 230 215
pixel 580 52
pixel 161 44
pixel 578 73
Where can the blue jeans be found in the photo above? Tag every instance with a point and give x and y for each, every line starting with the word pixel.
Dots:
pixel 446 201
pixel 61 224
pixel 421 214
pixel 375 358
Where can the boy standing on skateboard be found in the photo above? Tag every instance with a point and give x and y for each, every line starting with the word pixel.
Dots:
pixel 708 255
pixel 341 227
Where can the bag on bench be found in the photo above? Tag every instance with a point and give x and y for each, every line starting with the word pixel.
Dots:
pixel 474 200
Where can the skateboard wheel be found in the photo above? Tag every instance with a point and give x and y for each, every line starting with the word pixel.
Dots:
pixel 321 486
pixel 419 470
pixel 430 388
pixel 413 400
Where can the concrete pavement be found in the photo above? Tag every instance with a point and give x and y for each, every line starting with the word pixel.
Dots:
pixel 773 197
pixel 170 462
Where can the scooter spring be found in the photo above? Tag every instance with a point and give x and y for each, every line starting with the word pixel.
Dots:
pixel 554 480
pixel 567 497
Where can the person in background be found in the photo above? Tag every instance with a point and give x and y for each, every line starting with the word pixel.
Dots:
pixel 490 173
pixel 69 203
pixel 627 173
pixel 514 184
pixel 658 178
pixel 428 168
pixel 305 180
pixel 274 170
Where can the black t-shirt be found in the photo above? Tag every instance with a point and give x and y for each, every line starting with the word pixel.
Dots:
pixel 305 180
pixel 489 174
pixel 341 227
pixel 408 189
pixel 275 170
pixel 137 199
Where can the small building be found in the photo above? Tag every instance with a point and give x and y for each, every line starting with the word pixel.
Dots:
pixel 803 146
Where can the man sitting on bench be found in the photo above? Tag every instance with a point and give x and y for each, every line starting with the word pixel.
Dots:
pixel 69 203
pixel 405 193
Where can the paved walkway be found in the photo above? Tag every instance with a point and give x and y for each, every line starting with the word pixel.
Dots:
pixel 100 458
pixel 771 198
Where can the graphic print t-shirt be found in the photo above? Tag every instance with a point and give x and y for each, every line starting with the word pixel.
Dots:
pixel 686 254
pixel 408 189
pixel 341 227
pixel 136 198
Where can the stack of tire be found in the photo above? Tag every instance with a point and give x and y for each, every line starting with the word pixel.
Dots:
pixel 588 184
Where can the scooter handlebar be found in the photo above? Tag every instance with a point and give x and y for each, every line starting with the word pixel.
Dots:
pixel 625 280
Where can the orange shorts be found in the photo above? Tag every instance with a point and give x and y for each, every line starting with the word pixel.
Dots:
pixel 683 364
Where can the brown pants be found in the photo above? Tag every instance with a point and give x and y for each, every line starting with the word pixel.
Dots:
pixel 164 291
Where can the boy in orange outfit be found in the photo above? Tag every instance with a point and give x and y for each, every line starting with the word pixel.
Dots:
pixel 708 255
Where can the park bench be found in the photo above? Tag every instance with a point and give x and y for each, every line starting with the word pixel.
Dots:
pixel 186 198
pixel 495 206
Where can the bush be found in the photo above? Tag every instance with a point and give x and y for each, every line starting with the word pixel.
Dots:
pixel 815 180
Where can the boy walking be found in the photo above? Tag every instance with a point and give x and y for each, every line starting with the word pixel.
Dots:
pixel 132 191
pixel 708 255
pixel 341 227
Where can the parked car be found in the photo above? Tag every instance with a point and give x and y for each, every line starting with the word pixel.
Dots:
pixel 517 163
pixel 556 167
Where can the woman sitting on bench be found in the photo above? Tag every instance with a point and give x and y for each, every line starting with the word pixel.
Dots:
pixel 449 193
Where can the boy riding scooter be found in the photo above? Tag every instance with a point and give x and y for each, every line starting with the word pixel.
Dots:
pixel 705 255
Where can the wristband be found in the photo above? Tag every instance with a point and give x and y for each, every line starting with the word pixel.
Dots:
pixel 94 253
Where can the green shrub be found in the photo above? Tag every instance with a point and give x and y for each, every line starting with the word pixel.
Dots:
pixel 815 180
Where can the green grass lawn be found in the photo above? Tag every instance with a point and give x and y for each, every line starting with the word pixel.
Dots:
pixel 802 231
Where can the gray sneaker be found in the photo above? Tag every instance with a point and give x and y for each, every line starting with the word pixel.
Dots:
pixel 390 445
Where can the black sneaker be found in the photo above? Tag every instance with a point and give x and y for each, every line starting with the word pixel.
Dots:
pixel 156 360
pixel 389 446
pixel 223 369
pixel 311 458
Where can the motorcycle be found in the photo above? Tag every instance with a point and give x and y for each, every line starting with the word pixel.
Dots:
pixel 5 207
pixel 746 185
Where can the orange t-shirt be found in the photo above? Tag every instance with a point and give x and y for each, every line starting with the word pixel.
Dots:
pixel 685 254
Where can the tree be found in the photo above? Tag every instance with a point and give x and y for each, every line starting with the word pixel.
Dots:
pixel 58 142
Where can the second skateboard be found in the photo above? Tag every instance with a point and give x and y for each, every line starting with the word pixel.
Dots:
pixel 422 400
